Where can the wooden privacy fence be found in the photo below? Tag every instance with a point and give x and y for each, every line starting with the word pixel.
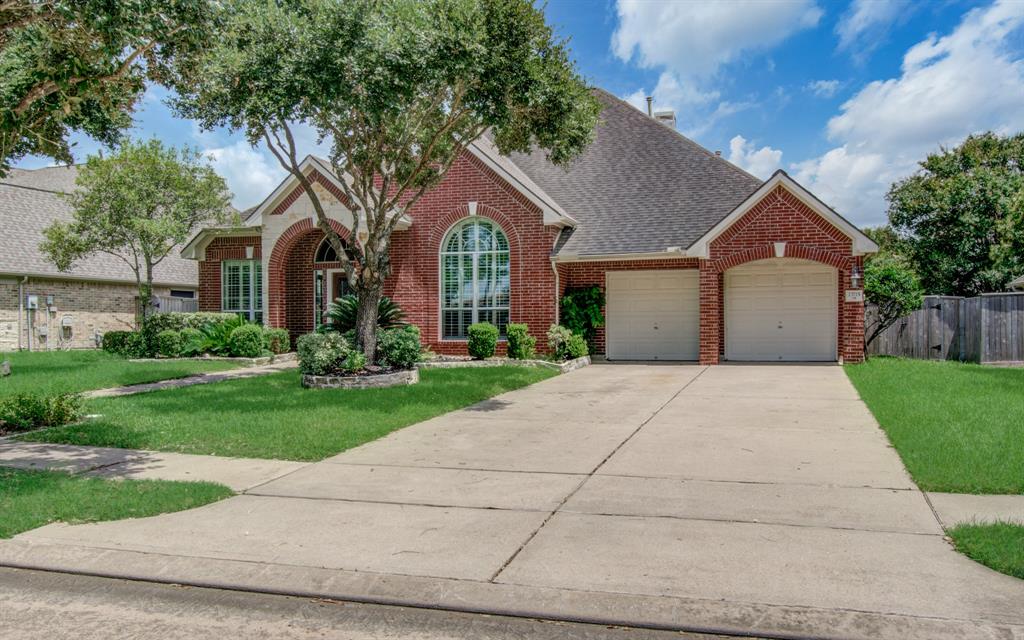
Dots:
pixel 987 329
pixel 169 304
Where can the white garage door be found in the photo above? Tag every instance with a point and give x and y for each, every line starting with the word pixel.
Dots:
pixel 781 309
pixel 652 315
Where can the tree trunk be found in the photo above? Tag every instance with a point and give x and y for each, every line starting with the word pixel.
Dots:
pixel 146 292
pixel 366 321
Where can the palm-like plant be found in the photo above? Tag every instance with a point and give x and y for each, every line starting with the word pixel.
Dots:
pixel 342 313
pixel 218 335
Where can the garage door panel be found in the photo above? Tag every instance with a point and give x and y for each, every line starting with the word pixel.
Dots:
pixel 781 310
pixel 652 315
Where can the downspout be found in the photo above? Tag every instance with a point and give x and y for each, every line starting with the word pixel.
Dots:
pixel 21 308
pixel 554 268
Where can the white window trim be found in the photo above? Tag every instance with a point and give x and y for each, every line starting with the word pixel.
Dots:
pixel 440 279
pixel 255 290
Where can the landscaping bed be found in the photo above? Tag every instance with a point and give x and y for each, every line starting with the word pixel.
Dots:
pixel 30 499
pixel 274 417
pixel 956 426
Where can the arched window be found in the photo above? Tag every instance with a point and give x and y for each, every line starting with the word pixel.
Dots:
pixel 325 252
pixel 474 277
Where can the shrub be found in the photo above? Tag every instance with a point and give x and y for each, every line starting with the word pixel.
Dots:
pixel 521 345
pixel 581 311
pixel 399 347
pixel 218 335
pixel 342 313
pixel 193 342
pixel 129 344
pixel 483 340
pixel 320 354
pixel 576 347
pixel 30 411
pixel 277 340
pixel 355 361
pixel 162 321
pixel 246 341
pixel 168 343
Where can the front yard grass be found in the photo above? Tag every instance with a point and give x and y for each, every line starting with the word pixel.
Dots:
pixel 85 370
pixel 272 416
pixel 999 546
pixel 957 427
pixel 30 499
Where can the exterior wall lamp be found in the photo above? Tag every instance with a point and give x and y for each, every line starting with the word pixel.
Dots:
pixel 856 277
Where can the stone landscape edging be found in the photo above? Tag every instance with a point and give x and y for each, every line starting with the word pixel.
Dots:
pixel 255 362
pixel 393 379
pixel 562 367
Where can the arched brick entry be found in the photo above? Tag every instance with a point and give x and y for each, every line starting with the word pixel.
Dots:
pixel 290 276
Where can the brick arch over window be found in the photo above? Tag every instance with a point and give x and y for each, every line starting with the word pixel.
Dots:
pixel 277 312
pixel 459 215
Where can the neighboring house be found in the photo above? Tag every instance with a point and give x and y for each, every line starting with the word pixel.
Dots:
pixel 1017 284
pixel 72 309
pixel 699 260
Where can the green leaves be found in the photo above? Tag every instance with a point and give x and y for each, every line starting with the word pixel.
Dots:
pixel 137 204
pixel 891 284
pixel 963 216
pixel 82 64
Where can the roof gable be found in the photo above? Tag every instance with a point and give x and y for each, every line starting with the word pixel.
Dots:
pixel 861 244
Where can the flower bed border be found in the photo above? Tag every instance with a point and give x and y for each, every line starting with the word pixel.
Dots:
pixel 255 362
pixel 562 367
pixel 377 381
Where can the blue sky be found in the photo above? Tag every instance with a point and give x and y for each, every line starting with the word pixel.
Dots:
pixel 845 96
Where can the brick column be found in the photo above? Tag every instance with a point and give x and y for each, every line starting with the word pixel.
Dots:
pixel 710 313
pixel 852 340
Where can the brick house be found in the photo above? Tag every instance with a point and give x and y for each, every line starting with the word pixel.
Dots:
pixel 42 308
pixel 698 259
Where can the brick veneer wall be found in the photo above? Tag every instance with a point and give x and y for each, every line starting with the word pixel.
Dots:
pixel 414 283
pixel 779 217
pixel 209 269
pixel 581 274
pixel 94 307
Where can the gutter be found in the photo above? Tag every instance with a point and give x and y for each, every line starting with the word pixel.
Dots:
pixel 668 254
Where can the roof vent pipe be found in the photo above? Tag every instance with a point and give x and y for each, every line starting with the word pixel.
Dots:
pixel 650 107
pixel 718 153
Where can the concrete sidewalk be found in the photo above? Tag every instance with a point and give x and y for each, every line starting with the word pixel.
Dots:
pixel 758 500
pixel 237 473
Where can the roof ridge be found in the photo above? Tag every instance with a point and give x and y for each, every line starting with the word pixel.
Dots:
pixel 680 135
pixel 41 190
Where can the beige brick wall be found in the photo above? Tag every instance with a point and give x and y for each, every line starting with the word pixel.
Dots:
pixel 91 306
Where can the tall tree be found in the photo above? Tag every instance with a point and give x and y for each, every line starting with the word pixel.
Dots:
pixel 962 216
pixel 138 205
pixel 82 65
pixel 400 88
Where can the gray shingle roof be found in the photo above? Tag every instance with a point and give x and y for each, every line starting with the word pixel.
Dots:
pixel 639 187
pixel 30 201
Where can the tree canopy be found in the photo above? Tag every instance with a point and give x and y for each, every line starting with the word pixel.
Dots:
pixel 961 218
pixel 69 65
pixel 138 205
pixel 400 89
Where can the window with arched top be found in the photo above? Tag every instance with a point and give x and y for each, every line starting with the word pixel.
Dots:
pixel 325 252
pixel 475 278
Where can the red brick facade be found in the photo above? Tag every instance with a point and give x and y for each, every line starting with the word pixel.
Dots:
pixel 414 283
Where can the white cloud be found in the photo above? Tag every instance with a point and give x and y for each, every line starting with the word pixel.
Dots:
pixel 760 162
pixel 949 87
pixel 866 22
pixel 692 39
pixel 823 88
pixel 250 173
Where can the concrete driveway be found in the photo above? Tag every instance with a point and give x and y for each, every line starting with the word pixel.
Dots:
pixel 755 499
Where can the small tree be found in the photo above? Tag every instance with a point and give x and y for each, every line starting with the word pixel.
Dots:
pixel 891 285
pixel 400 88
pixel 82 65
pixel 138 205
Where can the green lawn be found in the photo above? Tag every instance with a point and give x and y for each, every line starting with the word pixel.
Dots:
pixel 958 427
pixel 274 417
pixel 999 546
pixel 30 499
pixel 74 371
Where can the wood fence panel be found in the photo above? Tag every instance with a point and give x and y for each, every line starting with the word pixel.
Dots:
pixel 988 328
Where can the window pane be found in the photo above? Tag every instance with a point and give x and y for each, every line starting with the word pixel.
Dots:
pixel 475 278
